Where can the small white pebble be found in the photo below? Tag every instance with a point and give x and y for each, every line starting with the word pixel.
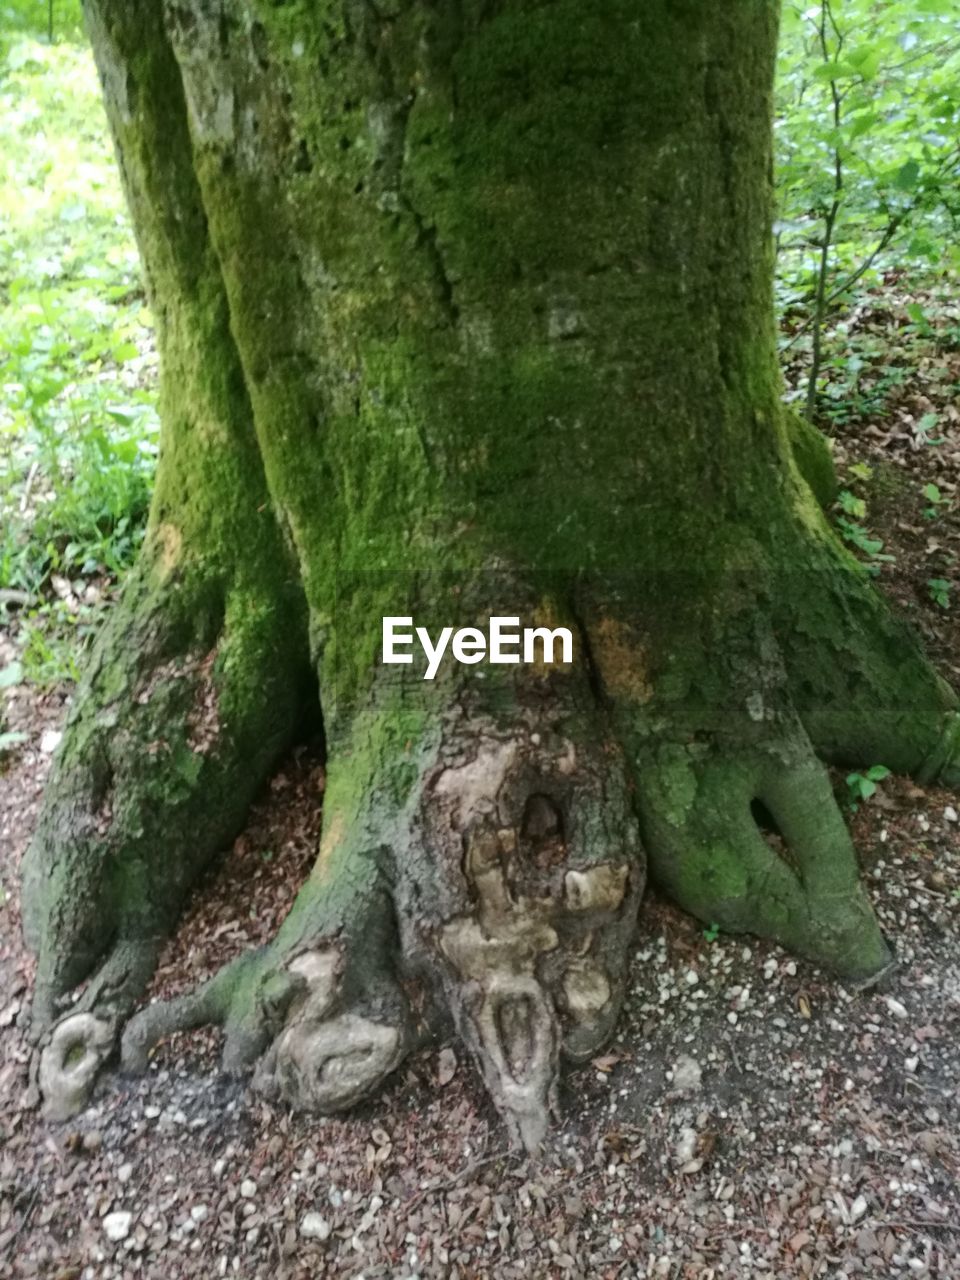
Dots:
pixel 858 1209
pixel 686 1073
pixel 248 1188
pixel 116 1226
pixel 314 1226
pixel 687 1145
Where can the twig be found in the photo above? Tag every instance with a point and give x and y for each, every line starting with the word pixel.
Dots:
pixel 733 1054
pixel 25 1220
pixel 893 226
pixel 466 1172
pixel 28 485
pixel 830 221
pixel 910 1224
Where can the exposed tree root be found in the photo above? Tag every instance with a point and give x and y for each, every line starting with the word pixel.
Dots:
pixel 858 678
pixel 942 763
pixel 78 1047
pixel 481 867
pixel 506 861
pixel 168 738
pixel 208 1004
pixel 708 853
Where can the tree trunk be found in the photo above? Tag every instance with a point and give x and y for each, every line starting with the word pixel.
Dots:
pixel 464 310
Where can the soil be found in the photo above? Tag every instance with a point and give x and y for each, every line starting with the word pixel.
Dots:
pixel 752 1117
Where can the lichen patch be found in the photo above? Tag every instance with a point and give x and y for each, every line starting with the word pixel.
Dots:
pixel 620 660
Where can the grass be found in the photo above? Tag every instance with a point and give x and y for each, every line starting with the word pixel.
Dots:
pixel 78 424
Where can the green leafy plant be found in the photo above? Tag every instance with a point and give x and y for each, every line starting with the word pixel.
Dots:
pixel 871 547
pixel 939 589
pixel 928 422
pixel 861 786
pixel 48 19
pixel 712 932
pixel 867 166
pixel 935 499
pixel 10 675
pixel 10 739
pixel 852 505
pixel 78 422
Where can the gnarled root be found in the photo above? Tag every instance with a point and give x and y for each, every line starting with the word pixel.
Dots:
pixel 709 853
pixel 327 1057
pixel 481 866
pixel 72 1048
pixel 507 861
pixel 550 880
pixel 209 1004
pixel 170 734
pixel 69 1062
pixel 859 679
pixel 291 1019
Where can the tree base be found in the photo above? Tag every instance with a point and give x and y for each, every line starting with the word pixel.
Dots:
pixel 485 847
pixel 488 876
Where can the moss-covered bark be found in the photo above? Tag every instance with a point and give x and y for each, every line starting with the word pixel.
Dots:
pixel 196 684
pixel 466 309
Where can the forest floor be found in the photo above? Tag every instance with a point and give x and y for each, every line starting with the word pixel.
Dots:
pixel 752 1116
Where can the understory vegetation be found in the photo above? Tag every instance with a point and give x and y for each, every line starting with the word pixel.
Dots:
pixel 868 190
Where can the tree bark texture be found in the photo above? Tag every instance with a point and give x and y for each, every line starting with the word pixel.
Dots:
pixel 464 308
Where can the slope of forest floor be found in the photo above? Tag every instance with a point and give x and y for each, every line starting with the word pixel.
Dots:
pixel 751 1118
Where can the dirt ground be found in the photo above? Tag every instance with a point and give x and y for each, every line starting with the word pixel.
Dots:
pixel 752 1117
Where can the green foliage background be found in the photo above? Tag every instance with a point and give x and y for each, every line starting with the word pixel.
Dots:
pixel 78 427
pixel 896 72
pixel 868 186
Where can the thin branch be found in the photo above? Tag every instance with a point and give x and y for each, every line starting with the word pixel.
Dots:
pixel 830 222
pixel 947 48
pixel 897 220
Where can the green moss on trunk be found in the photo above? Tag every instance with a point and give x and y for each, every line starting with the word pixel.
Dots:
pixel 469 307
pixel 196 683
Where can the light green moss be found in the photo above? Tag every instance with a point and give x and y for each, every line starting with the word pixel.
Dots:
pixel 813 457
